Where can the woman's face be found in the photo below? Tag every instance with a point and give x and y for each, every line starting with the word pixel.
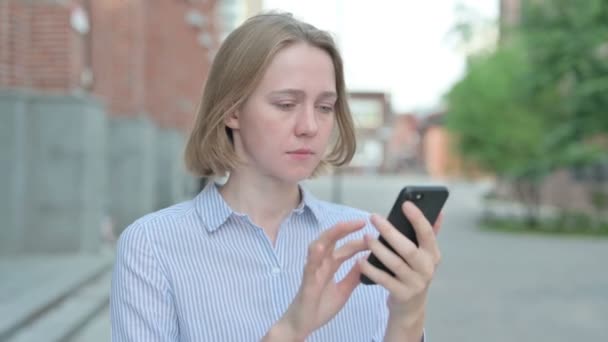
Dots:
pixel 283 129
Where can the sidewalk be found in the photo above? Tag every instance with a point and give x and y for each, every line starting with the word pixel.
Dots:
pixel 50 297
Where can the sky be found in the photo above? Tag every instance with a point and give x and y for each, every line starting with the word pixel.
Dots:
pixel 398 46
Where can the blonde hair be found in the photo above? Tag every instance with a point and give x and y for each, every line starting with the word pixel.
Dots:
pixel 235 72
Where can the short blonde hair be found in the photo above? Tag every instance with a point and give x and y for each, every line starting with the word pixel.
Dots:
pixel 236 70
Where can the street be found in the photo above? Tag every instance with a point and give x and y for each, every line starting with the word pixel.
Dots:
pixel 490 286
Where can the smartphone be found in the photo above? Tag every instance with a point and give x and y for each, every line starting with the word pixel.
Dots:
pixel 429 199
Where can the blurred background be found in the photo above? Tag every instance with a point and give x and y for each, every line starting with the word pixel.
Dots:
pixel 504 101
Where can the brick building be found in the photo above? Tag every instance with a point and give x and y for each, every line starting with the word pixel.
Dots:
pixel 38 48
pixel 403 146
pixel 436 147
pixel 372 116
pixel 95 99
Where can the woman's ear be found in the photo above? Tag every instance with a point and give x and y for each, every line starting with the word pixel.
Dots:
pixel 232 120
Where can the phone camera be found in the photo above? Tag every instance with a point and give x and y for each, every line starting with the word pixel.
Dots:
pixel 418 196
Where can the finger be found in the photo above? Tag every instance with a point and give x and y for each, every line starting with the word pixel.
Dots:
pixel 438 223
pixel 424 230
pixel 349 250
pixel 347 285
pixel 403 269
pixel 380 277
pixel 403 246
pixel 316 251
pixel 324 245
pixel 339 231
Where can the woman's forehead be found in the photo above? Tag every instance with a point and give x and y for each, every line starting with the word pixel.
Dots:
pixel 300 67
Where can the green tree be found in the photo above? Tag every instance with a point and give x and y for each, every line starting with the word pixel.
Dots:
pixel 487 109
pixel 567 42
pixel 535 103
pixel 498 124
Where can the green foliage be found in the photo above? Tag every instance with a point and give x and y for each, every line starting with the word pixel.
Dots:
pixel 497 126
pixel 530 106
pixel 568 44
pixel 599 199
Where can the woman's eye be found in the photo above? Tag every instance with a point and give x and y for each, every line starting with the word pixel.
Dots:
pixel 326 108
pixel 285 105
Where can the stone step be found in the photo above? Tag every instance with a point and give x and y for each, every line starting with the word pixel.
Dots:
pixel 65 320
pixel 97 330
pixel 33 285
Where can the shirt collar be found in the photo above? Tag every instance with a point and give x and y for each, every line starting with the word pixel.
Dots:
pixel 309 202
pixel 214 210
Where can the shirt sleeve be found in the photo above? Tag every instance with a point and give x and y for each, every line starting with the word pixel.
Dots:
pixel 382 317
pixel 141 302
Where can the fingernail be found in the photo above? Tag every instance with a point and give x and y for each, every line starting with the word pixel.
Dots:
pixel 407 206
pixel 377 218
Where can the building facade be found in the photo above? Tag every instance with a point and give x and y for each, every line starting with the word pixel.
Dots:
pixel 96 98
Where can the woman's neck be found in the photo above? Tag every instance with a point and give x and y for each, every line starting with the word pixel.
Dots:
pixel 266 201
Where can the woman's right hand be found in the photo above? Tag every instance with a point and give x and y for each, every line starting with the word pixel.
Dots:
pixel 320 298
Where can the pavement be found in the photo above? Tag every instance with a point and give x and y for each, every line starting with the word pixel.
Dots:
pixel 490 286
pixel 52 297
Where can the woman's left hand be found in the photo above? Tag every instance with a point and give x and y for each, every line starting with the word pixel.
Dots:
pixel 413 266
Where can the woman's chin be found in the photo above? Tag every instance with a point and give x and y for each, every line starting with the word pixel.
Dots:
pixel 297 175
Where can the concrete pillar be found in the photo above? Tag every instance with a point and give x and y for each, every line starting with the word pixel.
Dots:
pixel 12 173
pixel 53 167
pixel 172 179
pixel 132 169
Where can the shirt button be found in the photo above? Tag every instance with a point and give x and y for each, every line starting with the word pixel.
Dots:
pixel 276 270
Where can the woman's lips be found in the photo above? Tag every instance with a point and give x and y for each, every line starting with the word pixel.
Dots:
pixel 301 154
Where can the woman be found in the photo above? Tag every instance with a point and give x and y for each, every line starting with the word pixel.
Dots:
pixel 260 258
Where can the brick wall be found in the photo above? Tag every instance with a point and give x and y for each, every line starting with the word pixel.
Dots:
pixel 148 58
pixel 403 144
pixel 441 158
pixel 38 47
pixel 118 55
pixel 145 56
pixel 181 38
pixel 436 151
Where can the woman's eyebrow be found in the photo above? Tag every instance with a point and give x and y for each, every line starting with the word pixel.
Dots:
pixel 289 91
pixel 328 94
pixel 301 93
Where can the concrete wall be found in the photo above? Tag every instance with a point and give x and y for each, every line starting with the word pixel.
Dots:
pixel 131 169
pixel 173 183
pixel 65 166
pixel 53 170
pixel 145 168
pixel 12 175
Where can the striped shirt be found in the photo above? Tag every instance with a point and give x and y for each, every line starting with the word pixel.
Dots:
pixel 199 271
